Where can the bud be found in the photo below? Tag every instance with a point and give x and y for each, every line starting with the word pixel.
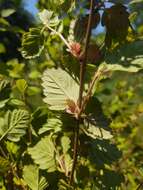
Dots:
pixel 75 49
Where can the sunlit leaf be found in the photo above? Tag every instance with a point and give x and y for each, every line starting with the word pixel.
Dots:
pixel 43 154
pixel 15 125
pixel 32 177
pixel 59 87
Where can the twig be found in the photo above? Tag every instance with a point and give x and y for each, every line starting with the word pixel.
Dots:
pixel 95 79
pixel 60 35
pixel 139 186
pixel 82 75
pixel 3 153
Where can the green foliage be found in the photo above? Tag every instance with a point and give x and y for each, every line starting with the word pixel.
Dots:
pixel 14 125
pixel 44 119
pixel 59 88
pixel 45 159
pixel 32 43
pixel 31 176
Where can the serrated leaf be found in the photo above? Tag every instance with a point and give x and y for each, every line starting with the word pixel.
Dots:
pixel 59 87
pixel 93 129
pixel 31 176
pixel 15 125
pixel 48 18
pixel 32 43
pixel 53 124
pixel 43 154
pixel 128 58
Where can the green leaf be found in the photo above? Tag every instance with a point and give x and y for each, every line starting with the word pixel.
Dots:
pixel 16 102
pixel 32 43
pixel 2 48
pixel 33 90
pixel 94 129
pixel 15 125
pixel 136 1
pixel 59 88
pixel 15 68
pixel 32 177
pixel 3 103
pixel 4 165
pixel 3 82
pixel 7 12
pixel 43 154
pixel 65 142
pixel 22 85
pixel 12 147
pixel 127 58
pixel 53 124
pixel 48 18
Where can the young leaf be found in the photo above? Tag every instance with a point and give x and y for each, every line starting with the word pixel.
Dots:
pixel 59 87
pixel 15 125
pixel 48 18
pixel 33 179
pixel 43 154
pixel 32 43
pixel 21 84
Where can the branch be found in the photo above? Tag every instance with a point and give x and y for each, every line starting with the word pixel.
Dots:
pixel 95 79
pixel 58 34
pixel 83 62
pixel 82 75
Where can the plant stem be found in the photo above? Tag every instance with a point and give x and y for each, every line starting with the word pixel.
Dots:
pixel 61 36
pixel 82 75
pixel 95 79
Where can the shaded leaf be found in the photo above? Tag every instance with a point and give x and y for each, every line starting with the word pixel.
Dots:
pixel 4 165
pixel 94 130
pixel 128 58
pixel 32 43
pixel 3 82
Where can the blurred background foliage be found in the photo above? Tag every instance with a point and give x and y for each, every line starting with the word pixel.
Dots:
pixel 118 164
